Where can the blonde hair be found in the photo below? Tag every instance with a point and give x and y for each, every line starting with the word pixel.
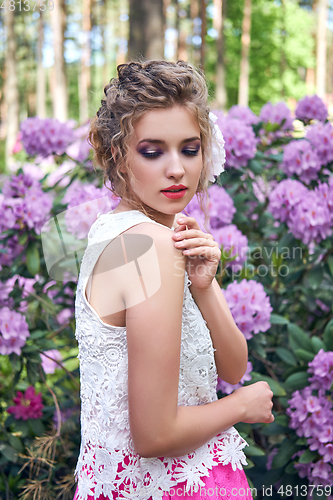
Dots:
pixel 140 87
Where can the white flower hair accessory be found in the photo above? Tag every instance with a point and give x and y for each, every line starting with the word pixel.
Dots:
pixel 218 152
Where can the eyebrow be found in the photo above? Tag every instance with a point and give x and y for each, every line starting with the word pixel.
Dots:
pixel 158 141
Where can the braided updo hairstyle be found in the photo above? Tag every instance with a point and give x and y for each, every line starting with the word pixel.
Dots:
pixel 140 87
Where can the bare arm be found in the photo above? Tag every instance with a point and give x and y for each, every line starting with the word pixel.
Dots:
pixel 231 348
pixel 159 427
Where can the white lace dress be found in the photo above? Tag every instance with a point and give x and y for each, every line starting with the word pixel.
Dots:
pixel 107 462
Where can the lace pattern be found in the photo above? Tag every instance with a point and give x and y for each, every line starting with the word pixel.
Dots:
pixel 107 460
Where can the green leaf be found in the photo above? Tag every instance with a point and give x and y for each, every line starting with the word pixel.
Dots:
pixel 32 372
pixel 299 337
pixel 22 426
pixel 308 456
pixel 15 442
pixel 249 465
pixel 37 334
pixel 282 420
pixel 328 335
pixel 290 469
pixel 304 355
pixel 317 344
pixel 276 319
pixel 254 451
pixel 23 238
pixel 37 426
pixel 286 356
pixel 9 452
pixel 283 456
pixel 315 276
pixel 297 381
pixel 277 389
pixel 33 260
pixel 330 263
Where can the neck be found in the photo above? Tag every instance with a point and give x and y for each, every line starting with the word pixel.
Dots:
pixel 164 219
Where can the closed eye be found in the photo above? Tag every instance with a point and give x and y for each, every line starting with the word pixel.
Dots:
pixel 191 151
pixel 151 154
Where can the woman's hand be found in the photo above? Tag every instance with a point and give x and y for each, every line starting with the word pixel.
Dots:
pixel 202 252
pixel 256 400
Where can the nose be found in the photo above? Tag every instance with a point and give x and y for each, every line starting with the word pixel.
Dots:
pixel 175 167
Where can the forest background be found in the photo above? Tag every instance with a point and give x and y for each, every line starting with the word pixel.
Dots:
pixel 57 55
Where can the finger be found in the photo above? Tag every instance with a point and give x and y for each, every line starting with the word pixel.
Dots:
pixel 191 234
pixel 205 252
pixel 189 221
pixel 195 242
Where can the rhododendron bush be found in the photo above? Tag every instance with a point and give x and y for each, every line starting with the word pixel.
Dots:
pixel 271 212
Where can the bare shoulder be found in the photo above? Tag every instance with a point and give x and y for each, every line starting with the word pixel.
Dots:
pixel 158 266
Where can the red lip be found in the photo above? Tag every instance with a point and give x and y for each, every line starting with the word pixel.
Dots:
pixel 175 187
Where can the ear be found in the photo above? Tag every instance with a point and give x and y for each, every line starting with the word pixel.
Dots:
pixel 114 152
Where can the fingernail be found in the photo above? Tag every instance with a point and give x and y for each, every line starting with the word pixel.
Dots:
pixel 180 220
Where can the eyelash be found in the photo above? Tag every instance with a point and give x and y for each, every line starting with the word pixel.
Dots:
pixel 155 154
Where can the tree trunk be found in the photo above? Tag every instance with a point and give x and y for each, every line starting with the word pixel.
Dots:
pixel 146 36
pixel 103 23
pixel 194 9
pixel 243 88
pixel 41 82
pixel 322 12
pixel 219 18
pixel 60 97
pixel 85 79
pixel 12 95
pixel 203 34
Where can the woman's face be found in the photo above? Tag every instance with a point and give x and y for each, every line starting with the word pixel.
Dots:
pixel 165 151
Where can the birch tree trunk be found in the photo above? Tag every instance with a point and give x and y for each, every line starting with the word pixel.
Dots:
pixel 85 77
pixel 41 82
pixel 12 95
pixel 219 17
pixel 146 29
pixel 243 88
pixel 322 12
pixel 60 95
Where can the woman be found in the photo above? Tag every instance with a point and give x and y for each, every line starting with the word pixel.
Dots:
pixel 153 327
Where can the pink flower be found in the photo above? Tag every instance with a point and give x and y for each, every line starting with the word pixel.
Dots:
pixel 50 365
pixel 28 406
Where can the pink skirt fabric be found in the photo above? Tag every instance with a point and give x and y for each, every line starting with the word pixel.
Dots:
pixel 222 483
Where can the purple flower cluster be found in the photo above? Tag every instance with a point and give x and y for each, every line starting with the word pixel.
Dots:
pixel 311 414
pixel 308 214
pixel 301 159
pixel 66 313
pixel 240 141
pixel 85 201
pixel 233 243
pixel 311 107
pixel 244 114
pixel 14 331
pixel 23 204
pixel 278 114
pixel 321 137
pixel 284 197
pixel 12 250
pixel 45 136
pixel 79 150
pixel 220 207
pixel 25 284
pixel 227 388
pixel 249 305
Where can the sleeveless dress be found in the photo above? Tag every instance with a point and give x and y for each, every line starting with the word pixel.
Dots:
pixel 108 467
